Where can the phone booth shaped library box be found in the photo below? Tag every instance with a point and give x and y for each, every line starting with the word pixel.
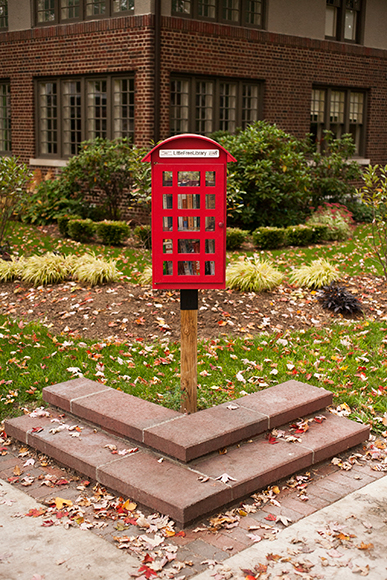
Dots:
pixel 189 176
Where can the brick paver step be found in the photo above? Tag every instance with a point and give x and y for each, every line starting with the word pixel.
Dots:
pixel 182 491
pixel 187 437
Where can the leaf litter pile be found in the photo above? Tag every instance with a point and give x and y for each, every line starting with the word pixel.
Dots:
pixel 126 310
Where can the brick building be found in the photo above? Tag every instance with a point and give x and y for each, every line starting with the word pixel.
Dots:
pixel 72 70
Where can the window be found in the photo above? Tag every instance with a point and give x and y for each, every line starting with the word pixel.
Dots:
pixel 238 12
pixel 343 20
pixel 3 14
pixel 5 117
pixel 203 106
pixel 340 111
pixel 73 110
pixel 57 11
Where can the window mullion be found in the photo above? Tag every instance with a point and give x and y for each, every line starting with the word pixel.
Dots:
pixel 109 107
pixel 346 111
pixel 192 104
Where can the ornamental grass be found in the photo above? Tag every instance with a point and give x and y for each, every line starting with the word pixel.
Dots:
pixel 320 273
pixel 252 275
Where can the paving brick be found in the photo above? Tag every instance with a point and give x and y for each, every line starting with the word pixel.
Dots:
pixel 62 394
pixel 304 508
pixel 192 436
pixel 226 544
pixel 121 414
pixel 333 436
pixel 254 465
pixel 203 549
pixel 287 401
pixel 166 487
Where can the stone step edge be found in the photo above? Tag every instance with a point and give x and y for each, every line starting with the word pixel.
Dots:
pixel 107 472
pixel 168 438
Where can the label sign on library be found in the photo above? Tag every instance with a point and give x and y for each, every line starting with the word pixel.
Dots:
pixel 189 175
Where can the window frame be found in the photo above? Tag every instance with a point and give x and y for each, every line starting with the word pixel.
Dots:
pixel 242 10
pixel 217 81
pixel 8 116
pixel 85 132
pixel 4 3
pixel 110 13
pixel 327 124
pixel 341 6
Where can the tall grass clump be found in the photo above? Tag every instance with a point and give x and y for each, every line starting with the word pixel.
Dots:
pixel 89 269
pixel 252 275
pixel 320 273
pixel 145 278
pixel 10 270
pixel 47 269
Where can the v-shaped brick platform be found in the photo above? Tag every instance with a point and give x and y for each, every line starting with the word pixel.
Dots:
pixel 174 486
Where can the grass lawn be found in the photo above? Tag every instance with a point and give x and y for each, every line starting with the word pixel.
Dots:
pixel 349 359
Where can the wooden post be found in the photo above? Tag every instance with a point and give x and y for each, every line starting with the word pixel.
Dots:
pixel 188 357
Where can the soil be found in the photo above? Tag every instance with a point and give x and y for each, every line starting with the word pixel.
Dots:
pixel 125 311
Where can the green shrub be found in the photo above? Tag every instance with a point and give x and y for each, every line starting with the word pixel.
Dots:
pixel 13 178
pixel 299 235
pixel 361 212
pixel 112 232
pixel 320 233
pixel 80 230
pixel 144 234
pixel 336 217
pixel 63 222
pixel 320 273
pixel 271 176
pixel 252 275
pixel 235 238
pixel 269 238
pixel 50 200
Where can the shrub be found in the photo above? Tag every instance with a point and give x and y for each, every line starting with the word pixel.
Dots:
pixel 361 212
pixel 374 194
pixel 252 275
pixel 235 238
pixel 331 170
pixel 91 270
pixel 63 222
pixel 80 230
pixel 13 178
pixel 319 273
pixel 269 238
pixel 112 232
pixel 339 299
pixel 50 199
pixel 299 235
pixel 320 233
pixel 336 217
pixel 49 268
pixel 271 176
pixel 144 234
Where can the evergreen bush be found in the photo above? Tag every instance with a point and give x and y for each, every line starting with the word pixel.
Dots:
pixel 80 230
pixel 299 235
pixel 269 238
pixel 235 238
pixel 320 233
pixel 112 232
pixel 63 222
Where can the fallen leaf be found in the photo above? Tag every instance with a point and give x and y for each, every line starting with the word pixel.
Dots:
pixel 225 478
pixel 60 503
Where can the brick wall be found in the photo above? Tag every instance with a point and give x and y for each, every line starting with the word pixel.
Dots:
pixel 288 67
pixel 103 46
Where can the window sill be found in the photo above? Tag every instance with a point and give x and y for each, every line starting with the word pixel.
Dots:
pixel 48 162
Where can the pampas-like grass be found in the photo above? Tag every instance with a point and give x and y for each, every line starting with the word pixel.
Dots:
pixel 252 275
pixel 10 270
pixel 49 268
pixel 320 273
pixel 145 278
pixel 91 270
